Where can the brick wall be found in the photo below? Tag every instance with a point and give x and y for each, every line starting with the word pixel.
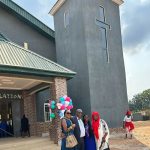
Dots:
pixel 30 111
pixel 58 89
pixel 42 127
pixel 36 128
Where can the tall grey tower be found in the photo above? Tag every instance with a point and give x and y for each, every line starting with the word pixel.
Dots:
pixel 88 41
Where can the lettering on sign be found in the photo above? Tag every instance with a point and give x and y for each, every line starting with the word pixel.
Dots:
pixel 11 96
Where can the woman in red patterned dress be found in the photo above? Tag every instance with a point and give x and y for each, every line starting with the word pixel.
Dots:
pixel 128 124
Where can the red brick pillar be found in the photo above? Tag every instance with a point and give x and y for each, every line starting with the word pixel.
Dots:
pixel 30 111
pixel 58 89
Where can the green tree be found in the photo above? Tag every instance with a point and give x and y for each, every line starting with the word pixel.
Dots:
pixel 140 101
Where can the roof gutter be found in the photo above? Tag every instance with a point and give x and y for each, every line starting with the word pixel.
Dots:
pixel 35 72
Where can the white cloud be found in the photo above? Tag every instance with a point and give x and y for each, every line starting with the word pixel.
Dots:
pixel 135 24
pixel 137 72
pixel 136 43
pixel 144 1
pixel 43 14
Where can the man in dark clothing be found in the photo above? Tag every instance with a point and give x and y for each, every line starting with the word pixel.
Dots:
pixel 79 130
pixel 25 126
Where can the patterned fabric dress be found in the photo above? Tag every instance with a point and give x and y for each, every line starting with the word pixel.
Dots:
pixel 63 143
pixel 103 128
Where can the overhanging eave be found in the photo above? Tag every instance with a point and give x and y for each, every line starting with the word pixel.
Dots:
pixel 35 72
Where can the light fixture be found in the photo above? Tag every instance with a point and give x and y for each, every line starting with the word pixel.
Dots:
pixel 9 83
pixel 6 80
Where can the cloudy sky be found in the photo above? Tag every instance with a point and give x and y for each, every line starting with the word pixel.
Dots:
pixel 135 33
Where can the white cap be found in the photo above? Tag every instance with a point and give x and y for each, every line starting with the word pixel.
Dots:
pixel 79 110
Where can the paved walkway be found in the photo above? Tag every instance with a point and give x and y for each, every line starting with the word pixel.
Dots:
pixel 33 143
pixel 117 141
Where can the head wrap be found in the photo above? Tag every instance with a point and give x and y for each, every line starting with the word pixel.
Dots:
pixel 96 124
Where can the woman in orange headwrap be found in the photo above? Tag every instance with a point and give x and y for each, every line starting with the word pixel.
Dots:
pixel 128 124
pixel 101 131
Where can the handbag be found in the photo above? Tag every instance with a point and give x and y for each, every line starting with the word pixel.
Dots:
pixel 71 141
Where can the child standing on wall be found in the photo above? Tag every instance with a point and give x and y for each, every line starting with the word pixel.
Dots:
pixel 128 124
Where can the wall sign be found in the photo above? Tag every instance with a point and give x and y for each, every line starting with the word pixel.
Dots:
pixel 10 95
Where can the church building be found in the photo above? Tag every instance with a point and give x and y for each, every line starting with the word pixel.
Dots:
pixel 88 40
pixel 29 77
pixel 36 63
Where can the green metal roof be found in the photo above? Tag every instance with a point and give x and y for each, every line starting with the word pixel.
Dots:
pixel 2 37
pixel 27 17
pixel 16 59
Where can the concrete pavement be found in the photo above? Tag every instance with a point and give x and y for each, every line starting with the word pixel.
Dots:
pixel 33 143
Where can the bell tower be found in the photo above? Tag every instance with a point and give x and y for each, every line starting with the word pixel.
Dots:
pixel 88 41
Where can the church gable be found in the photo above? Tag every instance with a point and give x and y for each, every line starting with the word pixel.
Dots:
pixel 22 28
pixel 59 4
pixel 27 17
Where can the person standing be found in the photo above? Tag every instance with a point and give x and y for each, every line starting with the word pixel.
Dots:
pixel 67 129
pixel 89 139
pixel 128 124
pixel 25 126
pixel 79 130
pixel 101 131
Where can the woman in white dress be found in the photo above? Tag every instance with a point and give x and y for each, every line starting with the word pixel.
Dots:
pixel 101 132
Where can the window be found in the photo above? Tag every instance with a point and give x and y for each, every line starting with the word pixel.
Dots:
pixel 42 97
pixel 103 38
pixel 66 19
pixel 46 113
pixel 101 14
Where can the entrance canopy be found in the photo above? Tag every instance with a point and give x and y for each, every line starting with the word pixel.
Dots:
pixel 27 80
pixel 15 59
